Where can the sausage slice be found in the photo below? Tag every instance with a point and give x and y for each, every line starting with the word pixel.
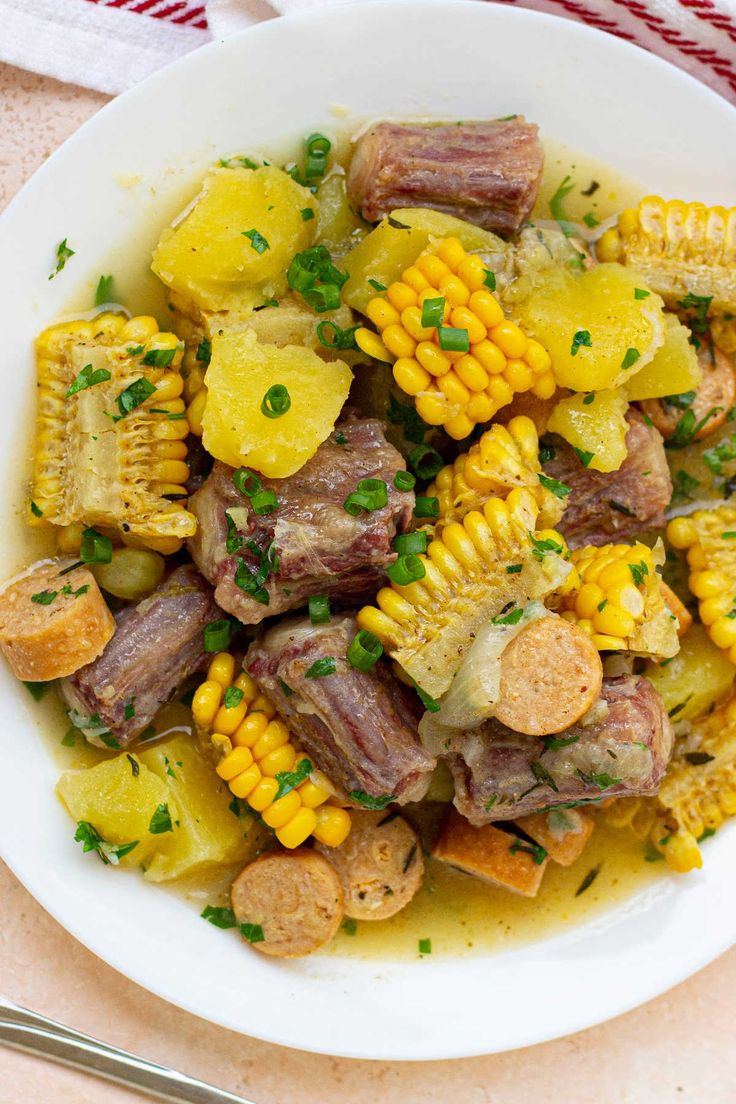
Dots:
pixel 294 896
pixel 52 624
pixel 551 675
pixel 380 864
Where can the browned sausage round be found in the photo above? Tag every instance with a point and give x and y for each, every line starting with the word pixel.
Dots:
pixel 551 675
pixel 380 864
pixel 294 896
pixel 52 624
pixel 716 393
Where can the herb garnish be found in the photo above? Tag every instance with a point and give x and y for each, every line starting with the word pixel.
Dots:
pixel 321 668
pixel 370 802
pixel 88 377
pixel 559 490
pixel 160 820
pixel 257 241
pixel 588 880
pixel 536 851
pixel 580 337
pixel 289 780
pixel 63 253
pixel 91 840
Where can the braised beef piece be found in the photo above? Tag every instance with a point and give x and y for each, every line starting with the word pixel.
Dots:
pixel 310 544
pixel 500 774
pixel 487 173
pixel 359 727
pixel 158 643
pixel 614 506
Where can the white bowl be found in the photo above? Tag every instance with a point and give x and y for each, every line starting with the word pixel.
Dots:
pixel 279 81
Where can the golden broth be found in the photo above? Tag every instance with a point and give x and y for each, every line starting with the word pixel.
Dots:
pixel 460 914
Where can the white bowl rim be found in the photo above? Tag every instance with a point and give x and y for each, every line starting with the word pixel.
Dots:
pixel 300 979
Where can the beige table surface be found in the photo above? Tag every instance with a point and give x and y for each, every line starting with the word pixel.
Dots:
pixel 675 1049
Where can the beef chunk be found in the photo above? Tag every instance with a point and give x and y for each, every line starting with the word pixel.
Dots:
pixel 487 173
pixel 359 727
pixel 614 506
pixel 315 545
pixel 501 775
pixel 157 645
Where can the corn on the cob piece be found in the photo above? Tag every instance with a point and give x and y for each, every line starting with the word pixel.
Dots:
pixel 505 457
pixel 477 570
pixel 471 360
pixel 259 761
pixel 618 601
pixel 111 431
pixel 709 538
pixel 678 248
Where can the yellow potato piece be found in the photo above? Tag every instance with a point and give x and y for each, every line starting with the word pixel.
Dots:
pixel 594 423
pixel 208 258
pixel 338 223
pixel 600 303
pixel 381 256
pixel 236 430
pixel 118 797
pixel 674 370
pixel 440 225
pixel 699 676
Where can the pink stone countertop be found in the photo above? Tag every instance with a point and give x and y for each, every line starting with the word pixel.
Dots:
pixel 678 1048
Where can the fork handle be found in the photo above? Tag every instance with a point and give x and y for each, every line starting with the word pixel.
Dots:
pixel 50 1040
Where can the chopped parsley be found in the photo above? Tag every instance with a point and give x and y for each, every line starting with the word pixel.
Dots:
pixel 514 569
pixel 220 917
pixel 580 337
pixel 289 780
pixel 536 851
pixel 556 206
pixel 233 697
pixel 542 775
pixel 540 547
pixel 425 946
pixel 630 358
pixel 583 456
pixel 91 840
pixel 641 293
pixel 697 307
pixel 377 286
pixel 714 458
pixel 601 781
pixel 350 926
pixel 104 292
pixel 136 393
pixel 638 571
pixel 370 802
pixel 559 490
pixel 683 486
pixel 159 358
pixel 252 932
pixel 321 667
pixel 44 597
pixel 588 880
pixel 36 509
pixel 556 743
pixel 589 399
pixel 63 253
pixel 512 618
pixel 88 377
pixel 307 213
pixel 36 689
pixel 129 710
pixel 257 241
pixel 204 351
pixel 160 821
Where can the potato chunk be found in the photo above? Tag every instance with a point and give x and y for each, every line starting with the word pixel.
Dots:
pixel 240 374
pixel 594 423
pixel 232 248
pixel 205 832
pixel 118 798
pixel 674 370
pixel 699 676
pixel 598 333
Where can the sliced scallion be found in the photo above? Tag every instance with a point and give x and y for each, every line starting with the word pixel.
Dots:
pixel 364 651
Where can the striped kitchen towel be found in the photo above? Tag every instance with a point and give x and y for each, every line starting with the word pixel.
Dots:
pixel 111 45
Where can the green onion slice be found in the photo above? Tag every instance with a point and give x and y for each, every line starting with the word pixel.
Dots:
pixel 216 636
pixel 453 340
pixel 276 401
pixel 425 461
pixel 371 494
pixel 405 570
pixel 246 481
pixel 404 481
pixel 411 544
pixel 426 506
pixel 317 149
pixel 433 311
pixel 319 609
pixel 364 651
pixel 95 548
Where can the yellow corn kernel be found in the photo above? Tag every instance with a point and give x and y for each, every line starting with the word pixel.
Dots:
pixel 222 669
pixel 411 320
pixel 244 783
pixel 708 584
pixel 401 296
pixel 608 246
pixel 312 795
pixel 510 339
pixel 432 407
pixel 464 319
pixel 452 253
pixel 298 829
pixel 261 704
pixel 371 344
pixel 472 373
pixel 480 408
pixel 454 389
pixel 229 718
pixel 277 761
pixel 432 268
pixel 410 376
pixel 612 621
pixel 234 764
pixel 723 632
pixel 381 313
pixel 414 278
pixel 398 341
pixel 432 359
pixel 251 730
pixel 332 827
pixel 472 272
pixel 195 412
pixel 518 374
pixel 490 357
pixel 248 685
pixel 681 852
pixel 263 794
pixel 487 308
pixel 459 427
pixel 282 811
pixel 275 735
pixel 454 291
pixel 537 357
pixel 205 703
pixel 587 600
pixel 69 538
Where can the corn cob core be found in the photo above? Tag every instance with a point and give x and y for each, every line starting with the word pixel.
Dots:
pixel 504 458
pixel 454 389
pixel 677 248
pixel 429 624
pixel 709 538
pixel 258 755
pixel 95 467
pixel 609 600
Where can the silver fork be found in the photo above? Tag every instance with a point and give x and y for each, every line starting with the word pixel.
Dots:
pixel 31 1032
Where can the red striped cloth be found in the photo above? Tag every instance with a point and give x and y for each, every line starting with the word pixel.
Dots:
pixel 112 44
